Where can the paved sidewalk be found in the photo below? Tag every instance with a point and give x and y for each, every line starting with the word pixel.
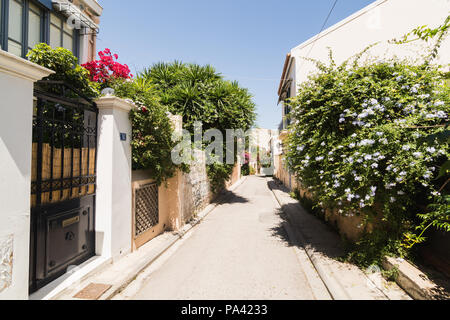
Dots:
pixel 324 245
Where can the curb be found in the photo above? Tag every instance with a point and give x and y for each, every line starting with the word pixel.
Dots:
pixel 115 290
pixel 411 279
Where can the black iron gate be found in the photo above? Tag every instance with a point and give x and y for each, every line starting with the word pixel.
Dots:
pixel 63 182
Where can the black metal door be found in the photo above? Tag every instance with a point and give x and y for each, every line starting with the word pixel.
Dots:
pixel 63 181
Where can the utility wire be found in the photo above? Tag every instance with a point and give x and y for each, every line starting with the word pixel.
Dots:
pixel 321 29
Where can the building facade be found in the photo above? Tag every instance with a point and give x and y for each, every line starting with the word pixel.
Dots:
pixel 381 21
pixel 59 23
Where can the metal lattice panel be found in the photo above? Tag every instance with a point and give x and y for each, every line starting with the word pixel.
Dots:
pixel 146 208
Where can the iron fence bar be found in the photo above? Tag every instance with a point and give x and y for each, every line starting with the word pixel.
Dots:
pixel 71 153
pixel 52 152
pixel 81 161
pixel 61 192
pixel 96 141
pixel 40 131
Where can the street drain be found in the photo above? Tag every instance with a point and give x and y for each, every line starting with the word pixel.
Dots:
pixel 93 291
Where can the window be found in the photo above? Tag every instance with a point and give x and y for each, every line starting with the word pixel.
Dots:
pixel 1 24
pixel 34 25
pixel 15 27
pixel 61 35
pixel 25 23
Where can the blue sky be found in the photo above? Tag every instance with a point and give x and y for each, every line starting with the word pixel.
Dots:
pixel 245 40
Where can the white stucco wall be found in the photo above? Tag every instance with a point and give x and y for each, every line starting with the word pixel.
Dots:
pixel 381 21
pixel 114 193
pixel 16 114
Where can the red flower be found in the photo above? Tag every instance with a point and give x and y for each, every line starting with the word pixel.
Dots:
pixel 144 109
pixel 103 70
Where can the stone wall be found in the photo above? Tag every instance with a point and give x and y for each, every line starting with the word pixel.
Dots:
pixel 196 193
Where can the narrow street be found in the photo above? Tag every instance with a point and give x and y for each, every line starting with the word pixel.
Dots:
pixel 239 251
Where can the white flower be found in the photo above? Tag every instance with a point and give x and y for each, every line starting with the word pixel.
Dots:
pixel 400 193
pixel 439 103
pixel 341 120
pixel 441 115
pixel 366 142
pixel 374 165
pixel 357 178
pixel 380 133
pixel 399 78
pixel 322 144
pixel 352 145
pixel 406 147
pixel 368 157
pixel 373 101
pixel 431 150
pixel 319 158
pixel 384 141
pixel 393 199
pixel 417 154
pixel 300 148
pixel 363 115
pixel 403 173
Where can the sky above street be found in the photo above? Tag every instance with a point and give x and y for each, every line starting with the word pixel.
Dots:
pixel 245 40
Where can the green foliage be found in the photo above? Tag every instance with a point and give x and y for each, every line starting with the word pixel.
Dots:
pixel 392 274
pixel 66 68
pixel 356 143
pixel 218 174
pixel 152 130
pixel 199 93
pixel 295 194
pixel 245 169
pixel 426 34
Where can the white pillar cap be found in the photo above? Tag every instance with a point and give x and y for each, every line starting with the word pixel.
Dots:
pixel 113 102
pixel 22 68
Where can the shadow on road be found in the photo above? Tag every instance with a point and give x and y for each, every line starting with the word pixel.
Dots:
pixel 227 196
pixel 316 235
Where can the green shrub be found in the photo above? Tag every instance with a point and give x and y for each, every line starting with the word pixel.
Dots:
pixel 356 141
pixel 199 93
pixel 66 68
pixel 152 129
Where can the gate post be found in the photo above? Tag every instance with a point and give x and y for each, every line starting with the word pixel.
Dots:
pixel 113 221
pixel 17 76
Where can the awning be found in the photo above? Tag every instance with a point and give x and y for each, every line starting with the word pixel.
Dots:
pixel 46 3
pixel 70 10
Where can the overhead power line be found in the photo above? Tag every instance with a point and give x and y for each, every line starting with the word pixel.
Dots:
pixel 321 29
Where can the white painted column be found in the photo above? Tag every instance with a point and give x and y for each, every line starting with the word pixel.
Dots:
pixel 17 76
pixel 114 196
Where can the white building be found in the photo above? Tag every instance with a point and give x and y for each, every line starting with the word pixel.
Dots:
pixel 381 21
pixel 59 23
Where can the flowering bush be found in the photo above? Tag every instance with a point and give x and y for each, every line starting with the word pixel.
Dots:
pixel 107 69
pixel 357 140
pixel 152 130
pixel 66 68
